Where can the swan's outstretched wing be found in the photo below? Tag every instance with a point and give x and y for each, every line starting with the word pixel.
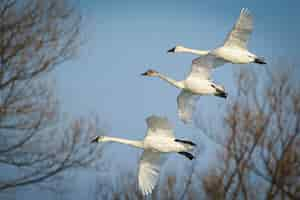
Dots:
pixel 202 66
pixel 241 31
pixel 186 104
pixel 149 168
pixel 159 126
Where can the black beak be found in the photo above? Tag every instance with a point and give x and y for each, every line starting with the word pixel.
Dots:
pixel 171 50
pixel 144 74
pixel 95 140
pixel 259 61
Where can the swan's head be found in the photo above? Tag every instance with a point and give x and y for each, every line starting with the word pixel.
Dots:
pixel 176 49
pixel 150 72
pixel 98 139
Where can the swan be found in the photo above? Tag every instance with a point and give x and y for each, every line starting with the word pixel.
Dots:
pixel 234 49
pixel 197 83
pixel 158 141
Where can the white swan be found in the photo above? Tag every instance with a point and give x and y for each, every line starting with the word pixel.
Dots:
pixel 159 140
pixel 234 49
pixel 197 83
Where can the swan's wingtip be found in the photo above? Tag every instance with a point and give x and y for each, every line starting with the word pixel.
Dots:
pixel 245 11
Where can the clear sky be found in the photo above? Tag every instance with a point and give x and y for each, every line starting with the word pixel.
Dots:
pixel 122 39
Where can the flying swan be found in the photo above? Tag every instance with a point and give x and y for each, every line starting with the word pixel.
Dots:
pixel 158 141
pixel 234 49
pixel 197 83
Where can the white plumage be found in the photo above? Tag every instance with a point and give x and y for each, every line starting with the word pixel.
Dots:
pixel 186 104
pixel 241 31
pixel 149 169
pixel 197 83
pixel 158 142
pixel 234 49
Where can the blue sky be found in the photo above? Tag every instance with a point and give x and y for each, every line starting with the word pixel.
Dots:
pixel 122 39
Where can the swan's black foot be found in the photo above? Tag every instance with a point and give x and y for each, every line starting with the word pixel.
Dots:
pixel 187 154
pixel 185 142
pixel 221 94
pixel 260 61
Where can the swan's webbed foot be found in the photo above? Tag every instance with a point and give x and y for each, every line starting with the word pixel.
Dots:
pixel 221 94
pixel 260 61
pixel 187 154
pixel 185 142
pixel 219 91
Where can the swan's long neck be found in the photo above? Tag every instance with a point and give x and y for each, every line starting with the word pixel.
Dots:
pixel 178 84
pixel 193 51
pixel 135 143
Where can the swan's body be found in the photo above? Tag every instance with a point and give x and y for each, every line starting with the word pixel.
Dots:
pixel 159 140
pixel 197 83
pixel 234 49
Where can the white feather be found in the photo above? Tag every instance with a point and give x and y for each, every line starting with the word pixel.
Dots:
pixel 241 31
pixel 149 169
pixel 186 104
pixel 234 49
pixel 158 141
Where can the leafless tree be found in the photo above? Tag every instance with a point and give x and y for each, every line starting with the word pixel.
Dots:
pixel 257 143
pixel 260 156
pixel 35 37
pixel 172 186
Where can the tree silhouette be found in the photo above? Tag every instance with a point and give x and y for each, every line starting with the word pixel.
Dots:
pixel 260 157
pixel 36 36
pixel 257 142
